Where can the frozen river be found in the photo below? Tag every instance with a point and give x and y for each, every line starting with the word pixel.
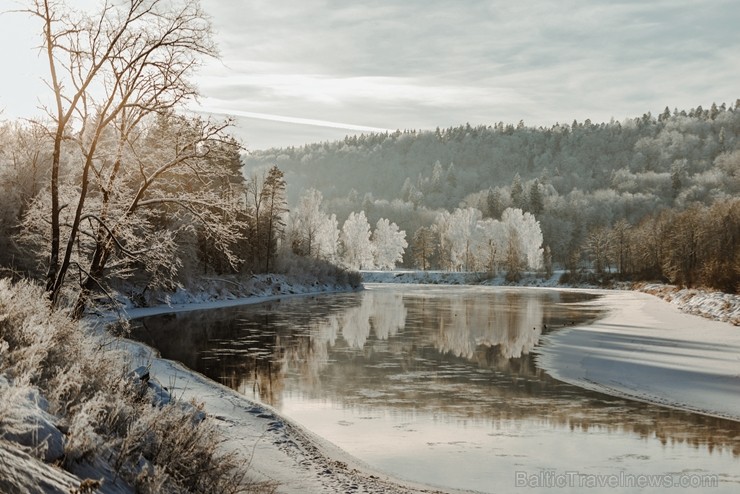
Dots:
pixel 439 385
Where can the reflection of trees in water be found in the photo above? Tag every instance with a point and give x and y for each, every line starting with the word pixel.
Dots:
pixel 466 355
pixel 384 313
pixel 510 322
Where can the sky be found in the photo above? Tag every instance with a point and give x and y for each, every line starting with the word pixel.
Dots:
pixel 297 71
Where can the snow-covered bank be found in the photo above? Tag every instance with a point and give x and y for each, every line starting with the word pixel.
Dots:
pixel 221 293
pixel 228 290
pixel 278 451
pixel 719 306
pixel 454 278
pixel 423 277
pixel 648 350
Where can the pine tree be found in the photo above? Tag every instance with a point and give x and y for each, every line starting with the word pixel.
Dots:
pixel 536 202
pixel 424 247
pixel 494 204
pixel 273 194
pixel 517 193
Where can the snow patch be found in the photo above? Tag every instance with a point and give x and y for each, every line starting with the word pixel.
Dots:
pixel 647 350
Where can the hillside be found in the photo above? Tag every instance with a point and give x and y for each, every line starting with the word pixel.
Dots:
pixel 575 178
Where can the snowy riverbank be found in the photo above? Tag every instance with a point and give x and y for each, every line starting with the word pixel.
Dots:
pixel 718 306
pixel 278 451
pixel 646 349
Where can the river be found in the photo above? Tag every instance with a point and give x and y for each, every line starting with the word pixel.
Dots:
pixel 440 385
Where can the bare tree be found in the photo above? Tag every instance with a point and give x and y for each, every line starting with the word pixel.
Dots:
pixel 112 75
pixel 597 245
pixel 424 247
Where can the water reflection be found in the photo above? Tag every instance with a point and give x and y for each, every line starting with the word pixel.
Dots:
pixel 460 353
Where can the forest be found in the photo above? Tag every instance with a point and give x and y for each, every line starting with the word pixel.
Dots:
pixel 116 185
pixel 646 198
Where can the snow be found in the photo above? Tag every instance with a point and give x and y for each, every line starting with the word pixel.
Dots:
pixel 648 350
pixel 713 305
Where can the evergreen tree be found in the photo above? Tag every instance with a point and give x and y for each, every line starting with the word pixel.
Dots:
pixel 436 182
pixel 424 247
pixel 517 193
pixel 451 176
pixel 494 204
pixel 273 198
pixel 536 202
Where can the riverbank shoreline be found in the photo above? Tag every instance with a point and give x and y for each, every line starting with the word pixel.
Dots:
pixel 714 305
pixel 646 349
pixel 286 453
pixel 279 451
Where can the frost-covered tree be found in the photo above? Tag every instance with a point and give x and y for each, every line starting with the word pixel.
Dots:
pixel 275 206
pixel 598 248
pixel 536 201
pixel 514 259
pixel 312 232
pixel 437 176
pixel 389 244
pixel 488 245
pixel 133 222
pixel 357 250
pixel 456 232
pixel 518 199
pixel 528 234
pixel 494 204
pixel 111 75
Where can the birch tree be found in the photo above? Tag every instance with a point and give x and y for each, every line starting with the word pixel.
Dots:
pixel 527 231
pixel 389 244
pixel 456 231
pixel 355 240
pixel 313 233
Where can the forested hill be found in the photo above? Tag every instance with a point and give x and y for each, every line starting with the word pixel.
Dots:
pixel 580 180
pixel 676 158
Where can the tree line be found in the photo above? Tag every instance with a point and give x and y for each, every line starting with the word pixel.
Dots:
pixel 577 179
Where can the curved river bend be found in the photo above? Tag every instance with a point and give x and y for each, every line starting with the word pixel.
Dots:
pixel 439 385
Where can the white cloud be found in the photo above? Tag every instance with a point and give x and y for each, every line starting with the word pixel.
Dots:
pixel 427 63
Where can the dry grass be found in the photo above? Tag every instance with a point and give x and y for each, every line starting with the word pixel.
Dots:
pixel 106 418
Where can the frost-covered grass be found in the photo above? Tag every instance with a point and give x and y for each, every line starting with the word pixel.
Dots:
pixel 715 305
pixel 72 416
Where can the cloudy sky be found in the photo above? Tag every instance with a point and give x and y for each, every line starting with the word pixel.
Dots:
pixel 296 71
